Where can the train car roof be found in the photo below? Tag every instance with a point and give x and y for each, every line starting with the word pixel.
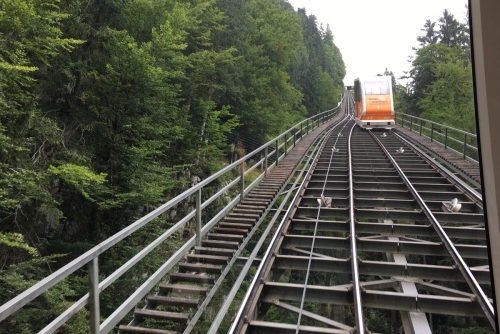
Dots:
pixel 374 78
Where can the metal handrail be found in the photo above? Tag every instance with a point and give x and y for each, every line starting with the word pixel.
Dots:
pixel 277 147
pixel 458 141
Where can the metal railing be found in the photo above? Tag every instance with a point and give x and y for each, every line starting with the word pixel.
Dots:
pixel 260 161
pixel 458 141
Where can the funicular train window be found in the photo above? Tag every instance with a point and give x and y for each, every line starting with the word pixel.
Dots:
pixel 357 91
pixel 377 87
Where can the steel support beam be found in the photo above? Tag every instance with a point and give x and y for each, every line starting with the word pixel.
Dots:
pixel 388 300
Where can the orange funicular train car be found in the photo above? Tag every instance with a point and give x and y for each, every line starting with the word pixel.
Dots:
pixel 373 104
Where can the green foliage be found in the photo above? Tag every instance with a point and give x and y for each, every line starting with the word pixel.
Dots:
pixel 318 68
pixel 16 241
pixel 448 100
pixel 80 177
pixel 108 108
pixel 441 86
pixel 14 279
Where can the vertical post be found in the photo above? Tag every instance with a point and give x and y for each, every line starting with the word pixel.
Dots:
pixel 94 309
pixel 286 142
pixel 307 127
pixel 432 131
pixel 465 143
pixel 445 138
pixel 198 218
pixel 403 120
pixel 242 181
pixel 301 131
pixel 266 152
pixel 411 123
pixel 420 130
pixel 294 136
pixel 277 152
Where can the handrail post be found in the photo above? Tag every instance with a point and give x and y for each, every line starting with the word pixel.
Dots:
pixel 465 143
pixel 294 137
pixel 286 141
pixel 242 181
pixel 445 137
pixel 277 152
pixel 432 131
pixel 411 123
pixel 266 152
pixel 198 217
pixel 307 126
pixel 403 120
pixel 420 130
pixel 301 131
pixel 94 308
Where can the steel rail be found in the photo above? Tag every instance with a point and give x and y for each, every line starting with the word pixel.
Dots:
pixel 466 188
pixel 356 286
pixel 482 299
pixel 308 269
pixel 252 291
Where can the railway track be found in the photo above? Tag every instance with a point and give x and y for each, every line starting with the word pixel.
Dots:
pixel 353 232
pixel 376 231
pixel 181 300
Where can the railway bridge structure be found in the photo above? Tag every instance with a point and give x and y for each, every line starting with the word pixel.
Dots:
pixel 327 228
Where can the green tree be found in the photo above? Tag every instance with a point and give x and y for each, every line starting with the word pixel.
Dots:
pixel 444 53
pixel 451 32
pixel 318 68
pixel 257 85
pixel 423 73
pixel 448 100
pixel 31 38
pixel 430 36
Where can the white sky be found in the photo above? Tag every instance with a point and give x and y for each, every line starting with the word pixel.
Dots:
pixel 373 35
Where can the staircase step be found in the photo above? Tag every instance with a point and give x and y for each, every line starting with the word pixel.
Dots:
pixel 173 301
pixel 207 258
pixel 265 192
pixel 229 219
pixel 228 237
pixel 192 278
pixel 272 185
pixel 227 230
pixel 220 244
pixel 163 315
pixel 183 288
pixel 200 267
pixel 235 225
pixel 238 214
pixel 259 197
pixel 258 200
pixel 254 201
pixel 259 208
pixel 122 329
pixel 214 251
pixel 248 210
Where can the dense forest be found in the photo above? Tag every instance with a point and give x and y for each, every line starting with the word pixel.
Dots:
pixel 108 108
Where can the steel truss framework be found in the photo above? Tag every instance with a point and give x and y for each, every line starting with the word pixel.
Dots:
pixel 401 263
